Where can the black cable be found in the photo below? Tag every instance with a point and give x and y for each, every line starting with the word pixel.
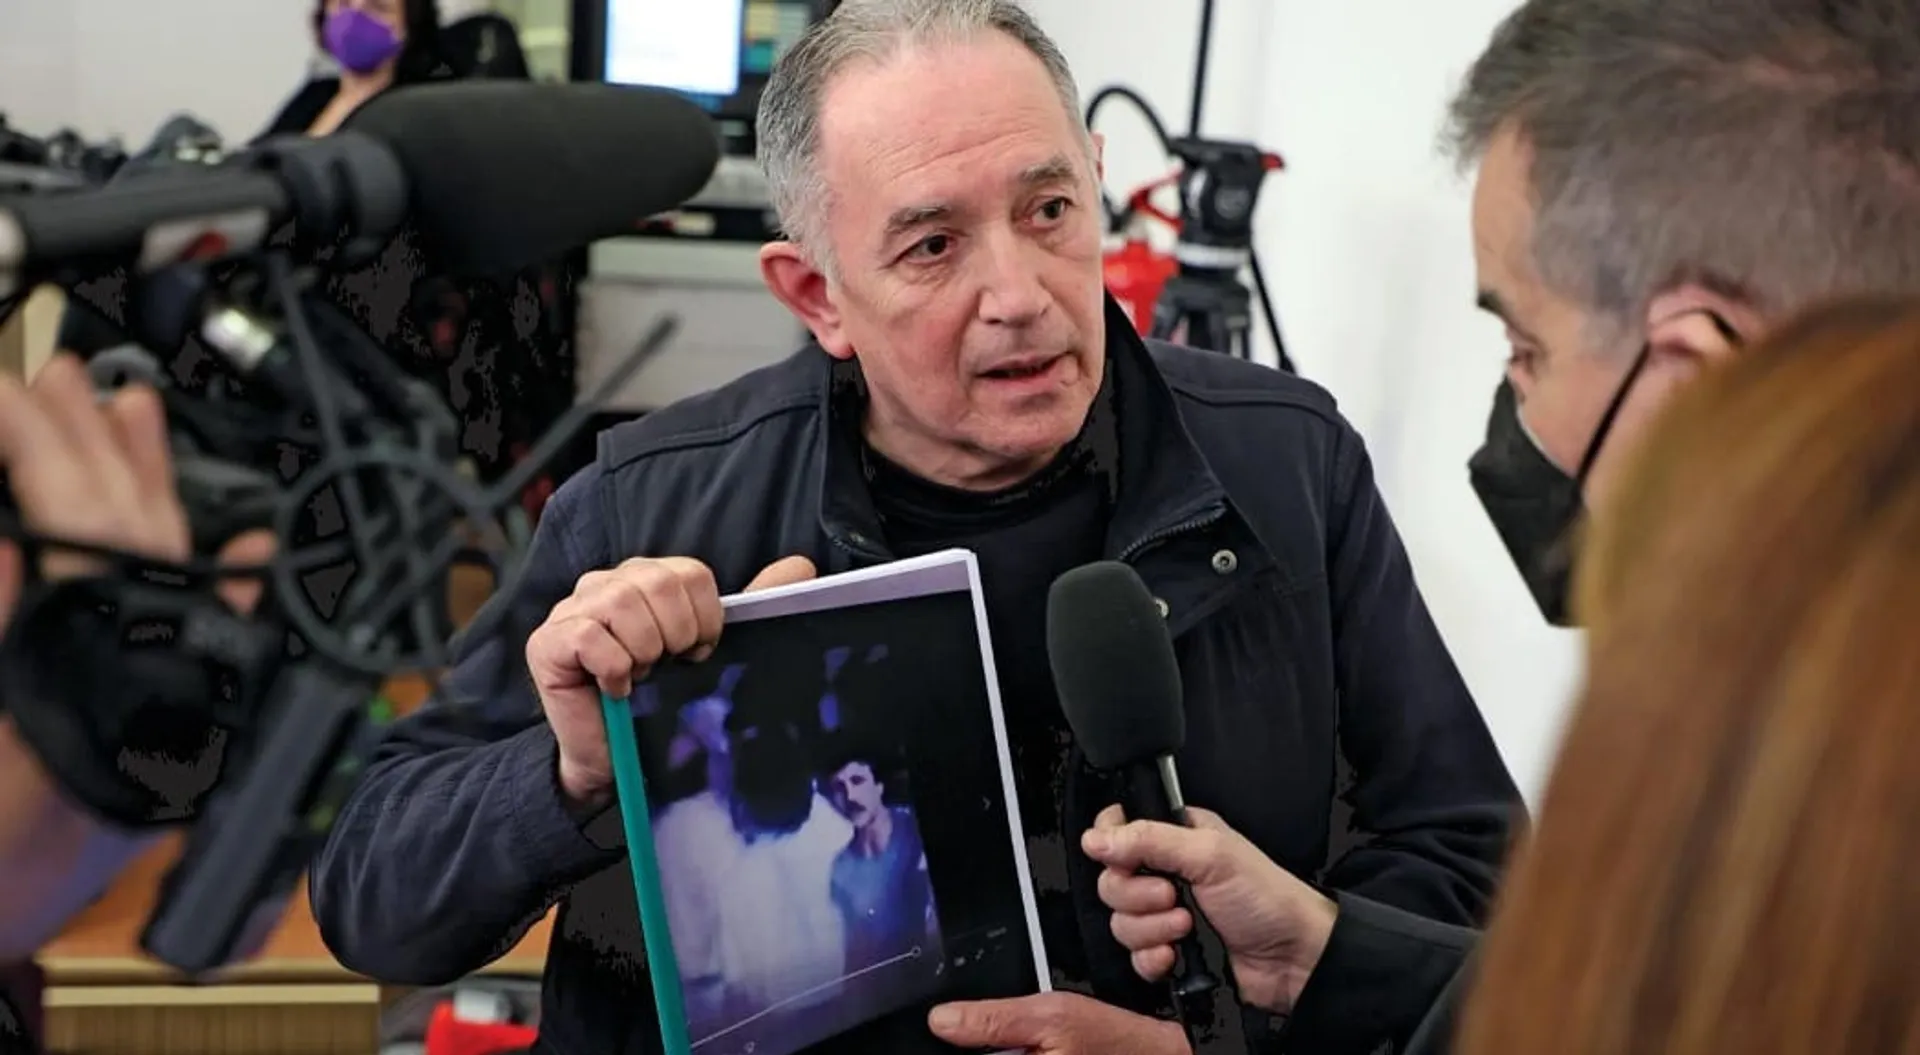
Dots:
pixel 1116 218
pixel 1266 309
pixel 1201 58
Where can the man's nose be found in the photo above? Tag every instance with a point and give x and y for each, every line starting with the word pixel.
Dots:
pixel 1011 293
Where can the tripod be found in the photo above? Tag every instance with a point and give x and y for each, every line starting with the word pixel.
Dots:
pixel 1205 309
pixel 1205 305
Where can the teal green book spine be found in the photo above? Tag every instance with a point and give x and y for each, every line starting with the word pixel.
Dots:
pixel 636 816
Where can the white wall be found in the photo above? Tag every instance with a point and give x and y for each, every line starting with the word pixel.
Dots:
pixel 1365 242
pixel 123 67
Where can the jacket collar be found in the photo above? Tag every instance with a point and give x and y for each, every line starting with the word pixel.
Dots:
pixel 1165 484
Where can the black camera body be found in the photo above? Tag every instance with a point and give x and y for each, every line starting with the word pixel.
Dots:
pixel 149 700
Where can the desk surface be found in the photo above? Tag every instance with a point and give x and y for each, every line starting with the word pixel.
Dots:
pixel 102 945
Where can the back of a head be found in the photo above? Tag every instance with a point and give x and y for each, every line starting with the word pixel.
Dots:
pixel 1724 857
pixel 773 727
pixel 1768 151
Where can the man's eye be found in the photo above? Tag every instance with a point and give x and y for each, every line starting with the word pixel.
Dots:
pixel 1054 209
pixel 932 246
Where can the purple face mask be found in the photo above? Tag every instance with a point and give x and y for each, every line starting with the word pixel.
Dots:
pixel 361 42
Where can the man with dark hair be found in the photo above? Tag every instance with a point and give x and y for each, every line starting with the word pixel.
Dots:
pixel 1659 182
pixel 880 879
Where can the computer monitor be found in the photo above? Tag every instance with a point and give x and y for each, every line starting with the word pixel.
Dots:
pixel 683 45
pixel 716 52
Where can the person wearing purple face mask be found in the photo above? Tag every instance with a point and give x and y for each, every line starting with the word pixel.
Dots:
pixel 377 45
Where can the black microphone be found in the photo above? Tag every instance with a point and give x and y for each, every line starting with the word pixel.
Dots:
pixel 495 175
pixel 506 174
pixel 1119 684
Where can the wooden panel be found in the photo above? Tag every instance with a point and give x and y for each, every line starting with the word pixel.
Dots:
pixel 102 945
pixel 27 339
pixel 247 1020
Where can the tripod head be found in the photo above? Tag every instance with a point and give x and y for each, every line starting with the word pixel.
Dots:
pixel 1219 189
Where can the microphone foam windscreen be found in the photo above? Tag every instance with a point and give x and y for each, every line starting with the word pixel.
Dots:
pixel 504 174
pixel 1113 666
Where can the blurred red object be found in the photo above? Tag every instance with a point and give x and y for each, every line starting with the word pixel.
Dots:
pixel 449 1034
pixel 1135 273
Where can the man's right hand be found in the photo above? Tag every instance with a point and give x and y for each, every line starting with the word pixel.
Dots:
pixel 1274 926
pixel 608 635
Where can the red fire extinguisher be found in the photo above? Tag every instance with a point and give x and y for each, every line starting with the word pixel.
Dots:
pixel 1135 272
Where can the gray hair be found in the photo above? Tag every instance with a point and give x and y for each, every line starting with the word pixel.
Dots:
pixel 788 129
pixel 1768 151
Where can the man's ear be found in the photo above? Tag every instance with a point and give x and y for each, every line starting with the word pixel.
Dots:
pixel 793 279
pixel 1699 327
pixel 1099 157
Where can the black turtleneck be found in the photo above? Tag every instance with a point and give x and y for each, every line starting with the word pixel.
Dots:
pixel 1023 537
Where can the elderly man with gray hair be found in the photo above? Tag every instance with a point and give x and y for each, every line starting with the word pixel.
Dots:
pixel 1660 181
pixel 969 384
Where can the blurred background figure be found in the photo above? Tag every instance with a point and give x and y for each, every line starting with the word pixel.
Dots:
pixel 376 45
pixel 1724 858
pixel 746 861
pixel 699 756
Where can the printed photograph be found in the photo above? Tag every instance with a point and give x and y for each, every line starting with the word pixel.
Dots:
pixel 796 877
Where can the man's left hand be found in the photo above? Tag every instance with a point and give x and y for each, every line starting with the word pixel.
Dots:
pixel 1055 1024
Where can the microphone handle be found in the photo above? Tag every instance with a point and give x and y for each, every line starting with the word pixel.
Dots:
pixel 1153 794
pixel 242 861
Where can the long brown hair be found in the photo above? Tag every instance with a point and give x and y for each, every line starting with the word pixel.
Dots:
pixel 1727 858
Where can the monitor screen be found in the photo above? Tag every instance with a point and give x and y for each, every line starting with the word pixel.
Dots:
pixel 705 48
pixel 690 46
pixel 771 28
pixel 716 52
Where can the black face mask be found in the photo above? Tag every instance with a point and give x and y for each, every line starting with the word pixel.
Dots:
pixel 1533 503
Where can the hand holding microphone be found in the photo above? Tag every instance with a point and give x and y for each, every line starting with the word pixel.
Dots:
pixel 1274 926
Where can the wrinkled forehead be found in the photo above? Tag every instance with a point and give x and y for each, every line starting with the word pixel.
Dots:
pixel 944 121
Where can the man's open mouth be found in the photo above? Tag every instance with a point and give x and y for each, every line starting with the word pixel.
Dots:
pixel 1017 371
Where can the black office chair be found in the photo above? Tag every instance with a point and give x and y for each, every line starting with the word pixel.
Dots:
pixel 484 46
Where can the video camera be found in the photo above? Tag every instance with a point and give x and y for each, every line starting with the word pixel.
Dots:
pixel 61 160
pixel 303 428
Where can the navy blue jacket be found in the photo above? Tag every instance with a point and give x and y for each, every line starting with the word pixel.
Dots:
pixel 1325 719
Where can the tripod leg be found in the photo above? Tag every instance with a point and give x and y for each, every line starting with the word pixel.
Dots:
pixel 1208 331
pixel 1166 323
pixel 1240 342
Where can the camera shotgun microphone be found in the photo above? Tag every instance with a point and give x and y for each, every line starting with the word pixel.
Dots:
pixel 1119 684
pixel 495 176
